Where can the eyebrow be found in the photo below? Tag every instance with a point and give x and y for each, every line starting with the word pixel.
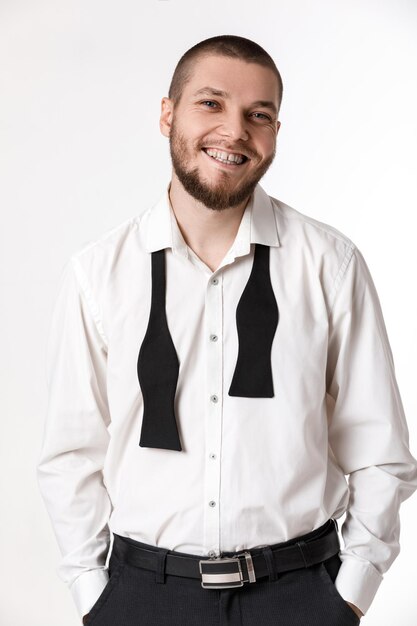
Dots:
pixel 223 94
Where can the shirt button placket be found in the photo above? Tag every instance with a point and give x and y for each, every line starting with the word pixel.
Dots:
pixel 213 413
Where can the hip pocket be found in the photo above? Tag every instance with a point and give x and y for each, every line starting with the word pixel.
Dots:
pixel 328 571
pixel 107 592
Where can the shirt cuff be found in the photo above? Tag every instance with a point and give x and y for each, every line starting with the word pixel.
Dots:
pixel 357 581
pixel 87 588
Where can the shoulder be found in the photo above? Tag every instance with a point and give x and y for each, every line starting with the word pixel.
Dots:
pixel 96 257
pixel 108 241
pixel 326 250
pixel 312 237
pixel 306 227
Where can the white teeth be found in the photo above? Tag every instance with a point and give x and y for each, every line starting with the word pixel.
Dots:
pixel 225 157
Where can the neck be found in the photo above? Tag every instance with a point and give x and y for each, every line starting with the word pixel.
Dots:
pixel 204 229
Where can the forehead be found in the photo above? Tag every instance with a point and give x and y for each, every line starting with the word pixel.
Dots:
pixel 240 79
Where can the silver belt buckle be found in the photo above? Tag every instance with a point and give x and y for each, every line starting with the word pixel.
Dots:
pixel 232 575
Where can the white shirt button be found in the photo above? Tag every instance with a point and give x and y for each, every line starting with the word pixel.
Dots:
pixel 213 337
pixel 214 398
pixel 212 455
pixel 212 503
pixel 214 281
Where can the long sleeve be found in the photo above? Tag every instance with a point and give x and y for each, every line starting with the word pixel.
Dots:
pixel 368 432
pixel 69 470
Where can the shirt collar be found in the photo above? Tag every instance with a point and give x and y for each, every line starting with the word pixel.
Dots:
pixel 258 225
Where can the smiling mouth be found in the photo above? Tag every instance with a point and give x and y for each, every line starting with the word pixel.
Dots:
pixel 228 164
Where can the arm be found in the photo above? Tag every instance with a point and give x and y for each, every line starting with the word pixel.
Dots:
pixel 367 433
pixel 75 440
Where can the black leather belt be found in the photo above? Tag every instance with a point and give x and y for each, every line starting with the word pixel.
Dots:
pixel 236 569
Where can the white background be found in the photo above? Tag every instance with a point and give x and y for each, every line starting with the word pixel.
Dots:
pixel 81 151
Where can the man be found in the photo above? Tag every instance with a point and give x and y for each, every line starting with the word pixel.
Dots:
pixel 217 366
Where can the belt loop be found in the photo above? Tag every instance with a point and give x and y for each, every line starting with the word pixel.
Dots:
pixel 304 552
pixel 270 563
pixel 161 556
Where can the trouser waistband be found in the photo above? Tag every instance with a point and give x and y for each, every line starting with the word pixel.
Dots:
pixel 233 569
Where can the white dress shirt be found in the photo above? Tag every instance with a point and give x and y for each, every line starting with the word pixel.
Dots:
pixel 252 471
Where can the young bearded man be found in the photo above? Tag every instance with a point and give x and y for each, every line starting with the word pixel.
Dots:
pixel 217 366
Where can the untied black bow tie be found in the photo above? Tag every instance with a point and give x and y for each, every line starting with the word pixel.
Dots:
pixel 257 318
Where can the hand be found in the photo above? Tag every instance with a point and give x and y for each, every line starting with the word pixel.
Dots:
pixel 85 618
pixel 355 609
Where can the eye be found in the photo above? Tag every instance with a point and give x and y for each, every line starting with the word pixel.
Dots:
pixel 266 117
pixel 205 101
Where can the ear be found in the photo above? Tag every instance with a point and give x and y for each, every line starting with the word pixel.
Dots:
pixel 165 119
pixel 278 126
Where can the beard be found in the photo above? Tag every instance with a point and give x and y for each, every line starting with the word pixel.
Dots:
pixel 217 196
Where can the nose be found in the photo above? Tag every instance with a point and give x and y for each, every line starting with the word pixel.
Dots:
pixel 235 126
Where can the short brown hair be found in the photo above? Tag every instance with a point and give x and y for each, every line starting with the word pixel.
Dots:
pixel 223 45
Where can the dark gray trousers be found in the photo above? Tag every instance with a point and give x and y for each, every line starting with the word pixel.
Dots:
pixel 138 597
